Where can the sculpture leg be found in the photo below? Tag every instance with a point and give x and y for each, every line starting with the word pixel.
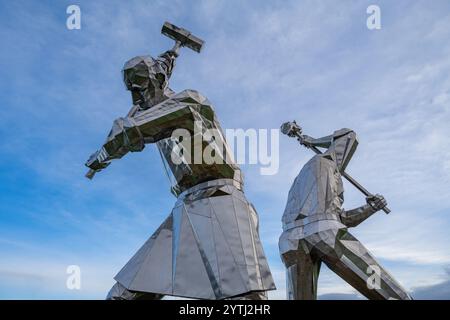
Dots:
pixel 119 292
pixel 302 274
pixel 354 263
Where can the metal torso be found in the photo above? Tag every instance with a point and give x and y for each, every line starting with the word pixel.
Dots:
pixel 316 195
pixel 187 170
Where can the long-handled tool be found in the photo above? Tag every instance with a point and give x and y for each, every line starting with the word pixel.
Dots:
pixel 182 37
pixel 292 129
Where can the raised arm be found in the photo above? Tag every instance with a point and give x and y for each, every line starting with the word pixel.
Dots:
pixel 323 142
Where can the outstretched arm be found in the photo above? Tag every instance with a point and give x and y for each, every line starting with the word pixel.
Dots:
pixel 352 218
pixel 323 142
pixel 149 126
pixel 101 158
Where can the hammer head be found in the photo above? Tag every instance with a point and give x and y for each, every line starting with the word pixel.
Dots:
pixel 291 129
pixel 184 37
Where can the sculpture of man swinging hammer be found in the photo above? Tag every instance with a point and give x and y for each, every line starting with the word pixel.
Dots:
pixel 209 246
pixel 315 224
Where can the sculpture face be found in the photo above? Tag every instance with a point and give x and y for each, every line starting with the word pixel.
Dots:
pixel 146 78
pixel 344 146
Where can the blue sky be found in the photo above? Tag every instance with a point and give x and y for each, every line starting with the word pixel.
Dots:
pixel 263 63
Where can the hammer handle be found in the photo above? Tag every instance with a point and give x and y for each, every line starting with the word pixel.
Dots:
pixel 176 47
pixel 90 174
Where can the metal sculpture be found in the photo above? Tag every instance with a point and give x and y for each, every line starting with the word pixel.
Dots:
pixel 209 246
pixel 315 226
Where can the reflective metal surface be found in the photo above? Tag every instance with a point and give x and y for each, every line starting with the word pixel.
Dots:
pixel 315 225
pixel 209 246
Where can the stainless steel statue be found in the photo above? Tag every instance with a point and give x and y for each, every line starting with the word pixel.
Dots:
pixel 315 224
pixel 208 247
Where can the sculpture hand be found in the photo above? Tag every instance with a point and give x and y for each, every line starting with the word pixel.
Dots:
pixel 97 161
pixel 377 202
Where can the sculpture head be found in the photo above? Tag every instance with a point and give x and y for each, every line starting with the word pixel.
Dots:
pixel 147 79
pixel 343 147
